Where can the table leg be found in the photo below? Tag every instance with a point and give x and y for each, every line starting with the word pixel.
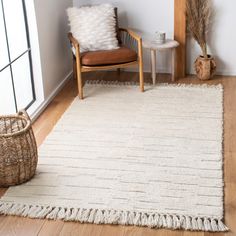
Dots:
pixel 173 65
pixel 153 66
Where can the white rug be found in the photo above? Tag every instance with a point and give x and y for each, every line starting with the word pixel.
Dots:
pixel 124 157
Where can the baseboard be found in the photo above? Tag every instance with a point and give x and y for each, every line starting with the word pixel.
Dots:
pixel 226 73
pixel 219 72
pixel 45 103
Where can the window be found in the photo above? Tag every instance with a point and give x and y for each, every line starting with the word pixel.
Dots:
pixel 16 76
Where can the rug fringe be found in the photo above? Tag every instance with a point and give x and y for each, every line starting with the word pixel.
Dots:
pixel 97 216
pixel 132 83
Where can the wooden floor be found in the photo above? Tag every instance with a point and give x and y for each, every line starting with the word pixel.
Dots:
pixel 26 227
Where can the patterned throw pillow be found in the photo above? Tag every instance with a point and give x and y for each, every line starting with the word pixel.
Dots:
pixel 94 27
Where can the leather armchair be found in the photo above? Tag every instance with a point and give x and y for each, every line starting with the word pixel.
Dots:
pixel 129 54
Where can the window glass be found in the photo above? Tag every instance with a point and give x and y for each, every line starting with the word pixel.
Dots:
pixel 7 104
pixel 15 24
pixel 16 78
pixel 22 81
pixel 4 60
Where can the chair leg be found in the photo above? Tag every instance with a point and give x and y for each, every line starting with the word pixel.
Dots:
pixel 141 78
pixel 74 69
pixel 140 59
pixel 79 79
pixel 118 71
pixel 80 85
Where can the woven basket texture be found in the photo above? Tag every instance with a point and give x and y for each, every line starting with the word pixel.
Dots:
pixel 18 149
pixel 205 67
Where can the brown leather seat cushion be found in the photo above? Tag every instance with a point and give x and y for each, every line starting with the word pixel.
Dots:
pixel 108 57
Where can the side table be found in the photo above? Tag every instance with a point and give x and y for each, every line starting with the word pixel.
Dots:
pixel 154 47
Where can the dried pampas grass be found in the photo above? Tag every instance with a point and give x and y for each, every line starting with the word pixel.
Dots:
pixel 198 16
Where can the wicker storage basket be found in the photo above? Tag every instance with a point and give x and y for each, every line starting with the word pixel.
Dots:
pixel 205 67
pixel 18 149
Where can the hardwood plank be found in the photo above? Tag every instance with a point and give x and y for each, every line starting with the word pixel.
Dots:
pixel 3 220
pixel 20 226
pixel 229 167
pixel 51 228
pixel 75 229
pixel 133 231
pixel 215 234
pixel 144 231
pixel 112 230
pixel 71 229
pixel 230 205
pixel 189 233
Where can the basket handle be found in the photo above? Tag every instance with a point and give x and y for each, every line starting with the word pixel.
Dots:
pixel 24 113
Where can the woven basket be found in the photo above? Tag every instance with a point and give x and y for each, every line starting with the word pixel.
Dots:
pixel 205 67
pixel 18 149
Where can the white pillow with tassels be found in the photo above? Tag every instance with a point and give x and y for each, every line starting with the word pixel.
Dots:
pixel 94 27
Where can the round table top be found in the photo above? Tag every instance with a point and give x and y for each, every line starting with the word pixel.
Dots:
pixel 151 44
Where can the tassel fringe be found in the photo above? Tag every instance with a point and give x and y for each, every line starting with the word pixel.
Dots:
pixel 97 216
pixel 131 83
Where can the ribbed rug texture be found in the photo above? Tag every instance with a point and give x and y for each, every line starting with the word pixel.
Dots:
pixel 124 157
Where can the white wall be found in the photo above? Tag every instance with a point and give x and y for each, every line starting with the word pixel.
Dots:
pixel 148 16
pixel 55 54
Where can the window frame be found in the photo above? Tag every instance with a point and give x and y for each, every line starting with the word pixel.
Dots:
pixel 28 51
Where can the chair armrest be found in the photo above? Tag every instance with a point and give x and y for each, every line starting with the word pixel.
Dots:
pixel 132 34
pixel 134 41
pixel 73 41
pixel 75 44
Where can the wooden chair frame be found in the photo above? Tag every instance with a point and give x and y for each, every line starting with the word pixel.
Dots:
pixel 78 68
